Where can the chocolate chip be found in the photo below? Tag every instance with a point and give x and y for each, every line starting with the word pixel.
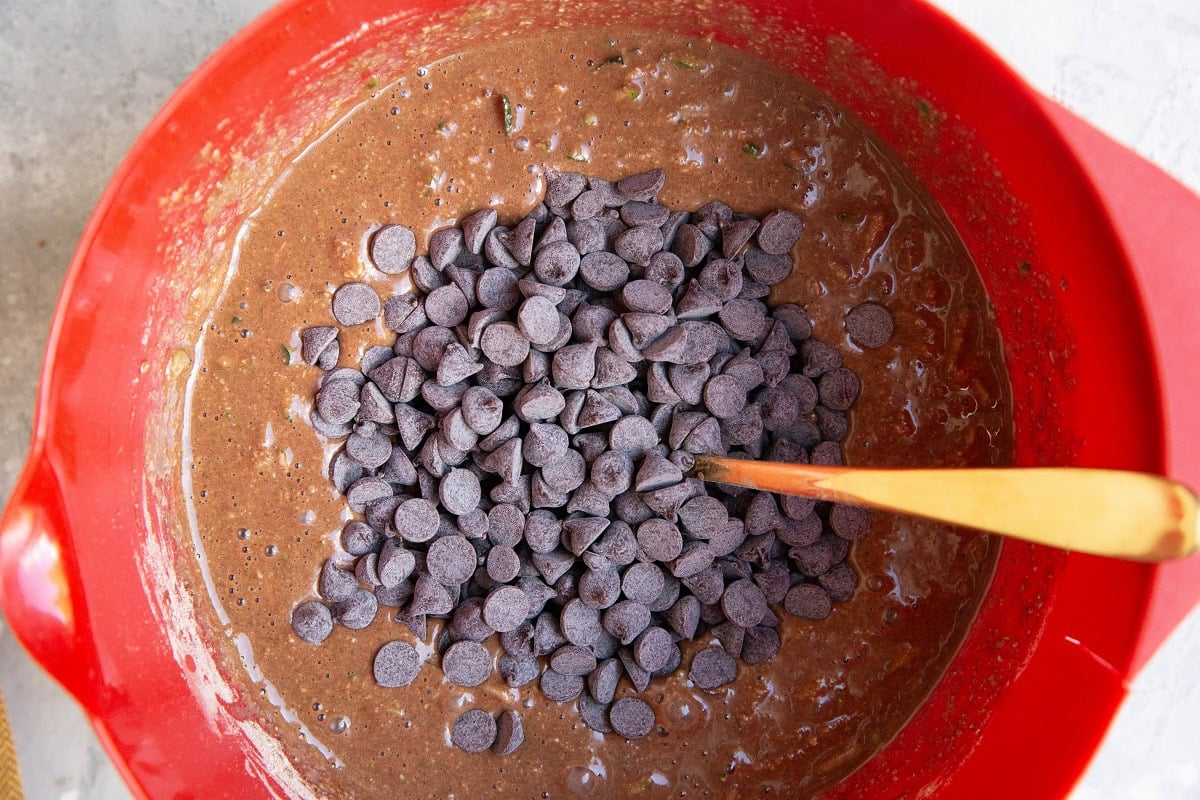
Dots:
pixel 723 279
pixel 392 249
pixel 510 733
pixel 703 516
pixel 631 717
pixel 767 268
pixel 337 401
pixel 814 559
pixel 833 424
pixel 425 276
pixel 712 215
pixel 556 264
pixel 697 303
pixel 451 560
pixel 652 648
pixel 312 622
pixel 665 269
pixel 506 608
pixel 498 289
pixel 366 570
pixel 600 588
pixel 580 623
pixel 315 340
pixel 415 622
pixel 743 603
pixel 808 601
pixel 474 731
pixel 566 473
pixel 799 532
pixel 656 472
pixel 840 581
pixel 358 538
pixel 356 611
pixel 684 616
pixel 642 581
pixel 542 531
pixel 504 344
pixel 355 303
pixel 563 187
pixel 743 428
pixel 396 664
pixel 838 389
pixel 561 688
pixel 819 358
pixel 466 664
pixel 691 245
pixel 597 409
pixel 612 473
pixel 518 672
pixel 364 490
pixel 869 325
pixel 612 370
pixel 643 186
pixel 368 451
pixel 404 314
pixel 735 235
pixel 603 271
pixel 459 491
pixel 646 296
pixel 602 682
pixel 335 583
pixel 632 435
pixel 849 522
pixel 761 645
pixel 695 557
pixel 638 213
pixel 503 563
pixel 594 713
pixel 467 622
pixel 573 366
pixel 417 520
pixel 659 540
pixel 712 667
pixel 780 230
pixel 745 320
pixel 732 637
pixel 827 454
pixel 774 580
pixel 395 564
pixel 573 660
pixel 395 596
pixel 625 620
pixel 588 204
pixel 541 401
pixel 690 342
pixel 430 597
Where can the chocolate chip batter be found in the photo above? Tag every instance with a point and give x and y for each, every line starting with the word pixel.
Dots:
pixel 479 129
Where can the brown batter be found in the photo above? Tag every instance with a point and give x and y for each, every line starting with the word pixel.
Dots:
pixel 431 148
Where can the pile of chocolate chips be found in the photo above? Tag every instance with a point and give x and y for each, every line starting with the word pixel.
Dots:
pixel 520 456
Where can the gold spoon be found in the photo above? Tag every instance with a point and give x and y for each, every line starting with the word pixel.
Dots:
pixel 1104 512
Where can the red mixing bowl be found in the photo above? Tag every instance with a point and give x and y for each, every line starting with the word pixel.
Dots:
pixel 1088 252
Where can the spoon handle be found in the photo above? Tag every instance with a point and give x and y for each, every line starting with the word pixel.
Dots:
pixel 1104 512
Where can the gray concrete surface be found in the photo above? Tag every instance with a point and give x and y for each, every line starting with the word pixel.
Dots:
pixel 80 78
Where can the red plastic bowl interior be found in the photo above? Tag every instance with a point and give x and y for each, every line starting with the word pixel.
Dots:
pixel 1042 671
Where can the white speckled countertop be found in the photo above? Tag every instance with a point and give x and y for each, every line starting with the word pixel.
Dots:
pixel 80 78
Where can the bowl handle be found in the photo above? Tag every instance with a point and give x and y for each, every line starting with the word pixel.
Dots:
pixel 1158 221
pixel 39 580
